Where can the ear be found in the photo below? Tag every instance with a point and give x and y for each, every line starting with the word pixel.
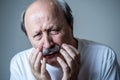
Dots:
pixel 22 22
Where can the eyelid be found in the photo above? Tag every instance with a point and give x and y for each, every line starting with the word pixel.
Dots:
pixel 34 36
pixel 56 28
pixel 39 33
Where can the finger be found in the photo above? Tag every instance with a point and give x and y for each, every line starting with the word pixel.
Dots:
pixel 71 50
pixel 77 56
pixel 33 57
pixel 43 66
pixel 33 50
pixel 64 66
pixel 67 57
pixel 37 64
pixel 75 61
pixel 74 49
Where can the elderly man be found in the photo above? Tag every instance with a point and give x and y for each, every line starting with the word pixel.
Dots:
pixel 56 54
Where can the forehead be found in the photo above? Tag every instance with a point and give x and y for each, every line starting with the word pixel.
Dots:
pixel 43 11
pixel 43 15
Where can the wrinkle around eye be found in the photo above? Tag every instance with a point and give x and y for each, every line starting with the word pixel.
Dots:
pixel 54 32
pixel 37 36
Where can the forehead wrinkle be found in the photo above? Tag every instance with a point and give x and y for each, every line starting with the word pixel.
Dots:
pixel 43 22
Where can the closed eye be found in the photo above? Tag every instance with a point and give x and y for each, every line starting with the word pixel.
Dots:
pixel 54 31
pixel 37 35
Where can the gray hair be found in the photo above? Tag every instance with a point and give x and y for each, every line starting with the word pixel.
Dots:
pixel 65 8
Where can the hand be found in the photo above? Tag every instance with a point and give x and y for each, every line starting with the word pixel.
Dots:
pixel 71 63
pixel 38 69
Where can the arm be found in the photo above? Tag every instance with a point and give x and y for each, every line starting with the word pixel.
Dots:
pixel 110 70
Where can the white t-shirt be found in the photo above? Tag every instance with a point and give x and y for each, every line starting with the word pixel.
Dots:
pixel 98 62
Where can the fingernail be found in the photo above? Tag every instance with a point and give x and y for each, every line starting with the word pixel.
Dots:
pixel 37 49
pixel 61 50
pixel 64 44
pixel 58 59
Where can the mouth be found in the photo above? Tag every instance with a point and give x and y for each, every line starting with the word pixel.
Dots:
pixel 51 55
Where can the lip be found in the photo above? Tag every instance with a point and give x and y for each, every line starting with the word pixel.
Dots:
pixel 52 55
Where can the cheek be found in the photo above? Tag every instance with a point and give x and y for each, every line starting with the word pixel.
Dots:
pixel 35 44
pixel 60 39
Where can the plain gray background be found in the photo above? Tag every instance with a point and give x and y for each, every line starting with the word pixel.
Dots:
pixel 97 20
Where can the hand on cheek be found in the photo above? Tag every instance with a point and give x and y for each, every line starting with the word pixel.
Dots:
pixel 38 68
pixel 71 63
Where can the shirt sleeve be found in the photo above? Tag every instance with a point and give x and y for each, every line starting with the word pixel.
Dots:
pixel 110 66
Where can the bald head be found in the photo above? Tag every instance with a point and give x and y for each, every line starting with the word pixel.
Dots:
pixel 56 7
pixel 43 8
pixel 41 5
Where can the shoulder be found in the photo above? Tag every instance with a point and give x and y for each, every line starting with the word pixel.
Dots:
pixel 98 49
pixel 92 45
pixel 21 56
pixel 100 57
pixel 19 66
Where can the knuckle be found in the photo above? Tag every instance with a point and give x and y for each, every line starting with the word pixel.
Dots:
pixel 32 64
pixel 67 69
pixel 35 66
pixel 74 56
pixel 70 60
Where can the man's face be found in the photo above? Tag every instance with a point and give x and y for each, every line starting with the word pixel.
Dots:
pixel 46 28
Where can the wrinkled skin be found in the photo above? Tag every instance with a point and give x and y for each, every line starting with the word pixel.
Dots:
pixel 46 26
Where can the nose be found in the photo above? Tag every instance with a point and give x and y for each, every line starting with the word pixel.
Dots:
pixel 47 41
